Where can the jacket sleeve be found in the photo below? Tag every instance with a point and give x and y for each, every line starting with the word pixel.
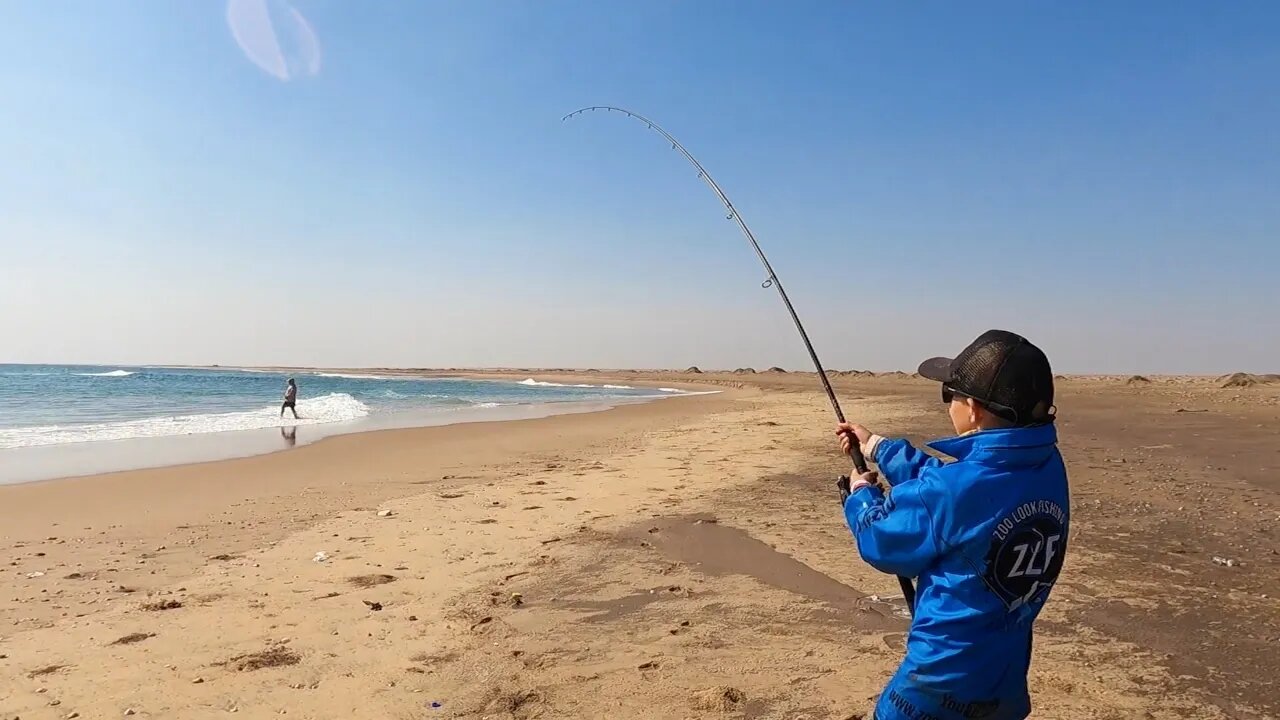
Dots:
pixel 897 534
pixel 900 461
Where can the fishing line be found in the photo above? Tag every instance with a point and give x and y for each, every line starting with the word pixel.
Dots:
pixel 771 280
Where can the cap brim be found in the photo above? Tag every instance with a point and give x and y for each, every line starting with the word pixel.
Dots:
pixel 938 369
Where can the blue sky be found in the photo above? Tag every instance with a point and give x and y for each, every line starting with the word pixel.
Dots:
pixel 1099 176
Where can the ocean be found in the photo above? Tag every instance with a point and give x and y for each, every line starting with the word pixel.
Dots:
pixel 59 404
pixel 47 407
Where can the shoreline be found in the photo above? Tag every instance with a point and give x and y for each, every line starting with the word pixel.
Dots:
pixel 45 463
pixel 216 502
pixel 42 463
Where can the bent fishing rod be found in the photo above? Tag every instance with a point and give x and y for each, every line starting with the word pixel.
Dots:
pixel 771 280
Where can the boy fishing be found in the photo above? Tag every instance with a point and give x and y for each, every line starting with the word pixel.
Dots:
pixel 984 535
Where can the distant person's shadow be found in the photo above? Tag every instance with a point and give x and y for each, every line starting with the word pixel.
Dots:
pixel 290 435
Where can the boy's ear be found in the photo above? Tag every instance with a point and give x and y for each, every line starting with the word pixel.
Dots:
pixel 976 409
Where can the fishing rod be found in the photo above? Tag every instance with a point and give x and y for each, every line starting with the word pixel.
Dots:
pixel 855 451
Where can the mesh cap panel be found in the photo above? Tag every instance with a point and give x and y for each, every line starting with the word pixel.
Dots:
pixel 1008 373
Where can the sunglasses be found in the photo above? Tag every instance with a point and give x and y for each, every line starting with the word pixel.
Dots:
pixel 949 393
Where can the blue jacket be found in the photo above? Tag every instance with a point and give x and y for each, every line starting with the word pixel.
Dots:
pixel 985 537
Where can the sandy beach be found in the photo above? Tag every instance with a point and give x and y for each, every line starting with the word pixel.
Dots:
pixel 677 559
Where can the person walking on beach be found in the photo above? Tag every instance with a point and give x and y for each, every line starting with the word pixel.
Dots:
pixel 290 399
pixel 984 535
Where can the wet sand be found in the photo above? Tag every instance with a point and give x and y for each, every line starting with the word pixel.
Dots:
pixel 678 559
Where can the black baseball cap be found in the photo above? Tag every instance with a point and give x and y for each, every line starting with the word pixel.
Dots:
pixel 1003 371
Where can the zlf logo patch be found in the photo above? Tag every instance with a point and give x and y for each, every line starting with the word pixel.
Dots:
pixel 1027 548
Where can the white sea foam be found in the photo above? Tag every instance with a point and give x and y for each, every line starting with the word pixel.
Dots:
pixel 538 383
pixel 335 407
pixel 489 405
pixel 113 373
pixel 672 393
pixel 617 387
pixel 353 376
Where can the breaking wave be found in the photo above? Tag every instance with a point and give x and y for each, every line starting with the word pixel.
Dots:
pixel 538 383
pixel 113 373
pixel 334 407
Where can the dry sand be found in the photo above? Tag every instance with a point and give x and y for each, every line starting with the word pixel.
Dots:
pixel 680 559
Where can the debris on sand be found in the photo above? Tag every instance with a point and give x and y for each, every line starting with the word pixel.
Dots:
pixel 1247 380
pixel 159 605
pixel 374 606
pixel 451 495
pixel 132 638
pixel 47 670
pixel 278 656
pixel 718 699
pixel 521 704
pixel 1225 562
pixel 1137 380
pixel 223 557
pixel 430 659
pixel 693 370
pixel 321 556
pixel 368 581
pixel 648 665
pixel 482 621
pixel 385 513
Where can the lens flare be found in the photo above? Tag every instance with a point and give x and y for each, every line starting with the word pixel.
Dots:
pixel 273 35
